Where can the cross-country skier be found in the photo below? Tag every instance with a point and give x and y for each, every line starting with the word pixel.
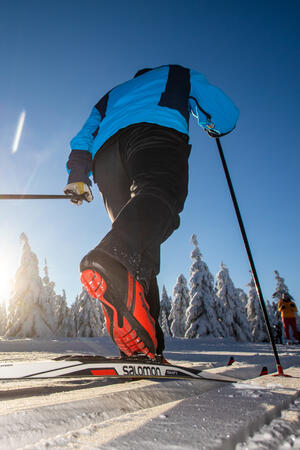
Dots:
pixel 136 144
pixel 288 310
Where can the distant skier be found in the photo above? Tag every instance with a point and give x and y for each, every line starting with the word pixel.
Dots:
pixel 135 142
pixel 288 310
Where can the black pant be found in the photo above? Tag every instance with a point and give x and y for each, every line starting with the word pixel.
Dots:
pixel 142 174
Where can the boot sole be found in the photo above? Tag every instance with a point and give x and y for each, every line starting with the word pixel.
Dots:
pixel 123 331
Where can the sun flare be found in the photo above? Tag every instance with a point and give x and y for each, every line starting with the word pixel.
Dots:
pixel 19 130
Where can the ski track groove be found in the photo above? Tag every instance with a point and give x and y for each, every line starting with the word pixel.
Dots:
pixel 86 413
pixel 48 415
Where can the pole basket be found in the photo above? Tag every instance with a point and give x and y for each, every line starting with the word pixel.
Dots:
pixel 280 372
pixel 264 371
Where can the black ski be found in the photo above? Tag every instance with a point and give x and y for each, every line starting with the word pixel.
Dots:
pixel 105 367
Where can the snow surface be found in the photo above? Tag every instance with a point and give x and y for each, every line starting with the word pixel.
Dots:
pixel 258 413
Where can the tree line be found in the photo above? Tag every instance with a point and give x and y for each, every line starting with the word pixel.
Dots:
pixel 204 308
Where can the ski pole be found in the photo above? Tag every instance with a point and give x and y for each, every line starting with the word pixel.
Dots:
pixel 39 197
pixel 248 250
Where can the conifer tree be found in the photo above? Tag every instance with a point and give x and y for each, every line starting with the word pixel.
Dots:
pixel 165 324
pixel 201 313
pixel 62 314
pixel 271 313
pixel 242 296
pixel 49 300
pixel 281 287
pixel 88 316
pixel 177 315
pixel 255 315
pixel 165 309
pixel 71 330
pixel 28 312
pixel 231 312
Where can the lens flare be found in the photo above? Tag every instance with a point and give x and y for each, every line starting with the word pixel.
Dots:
pixel 18 132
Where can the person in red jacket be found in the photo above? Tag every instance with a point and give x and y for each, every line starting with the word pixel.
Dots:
pixel 288 310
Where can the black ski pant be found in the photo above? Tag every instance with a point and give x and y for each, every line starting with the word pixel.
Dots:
pixel 142 174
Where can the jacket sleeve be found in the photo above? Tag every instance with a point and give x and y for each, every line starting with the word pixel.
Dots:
pixel 293 305
pixel 214 110
pixel 79 164
pixel 84 139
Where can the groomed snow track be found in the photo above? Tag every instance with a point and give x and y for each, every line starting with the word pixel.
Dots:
pixel 112 414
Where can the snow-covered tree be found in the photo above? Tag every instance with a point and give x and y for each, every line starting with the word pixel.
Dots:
pixel 242 296
pixel 281 287
pixel 177 315
pixel 231 311
pixel 3 319
pixel 49 299
pixel 88 316
pixel 271 313
pixel 201 313
pixel 165 309
pixel 255 315
pixel 28 312
pixel 62 314
pixel 71 320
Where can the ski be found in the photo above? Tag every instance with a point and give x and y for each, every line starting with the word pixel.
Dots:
pixel 105 367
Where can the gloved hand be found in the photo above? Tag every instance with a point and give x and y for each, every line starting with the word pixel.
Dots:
pixel 79 188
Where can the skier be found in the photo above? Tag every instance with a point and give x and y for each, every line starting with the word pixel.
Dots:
pixel 288 310
pixel 136 144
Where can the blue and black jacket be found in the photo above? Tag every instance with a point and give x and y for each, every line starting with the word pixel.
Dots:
pixel 164 96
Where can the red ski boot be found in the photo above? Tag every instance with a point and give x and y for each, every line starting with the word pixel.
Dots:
pixel 128 318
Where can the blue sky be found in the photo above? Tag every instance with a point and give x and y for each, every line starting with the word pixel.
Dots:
pixel 59 57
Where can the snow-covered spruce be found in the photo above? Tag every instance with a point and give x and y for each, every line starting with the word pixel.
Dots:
pixel 231 311
pixel 201 314
pixel 86 318
pixel 29 312
pixel 62 313
pixel 58 304
pixel 281 287
pixel 177 316
pixel 271 313
pixel 50 300
pixel 242 296
pixel 255 316
pixel 165 309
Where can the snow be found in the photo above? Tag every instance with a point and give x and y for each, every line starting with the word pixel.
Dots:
pixel 257 413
